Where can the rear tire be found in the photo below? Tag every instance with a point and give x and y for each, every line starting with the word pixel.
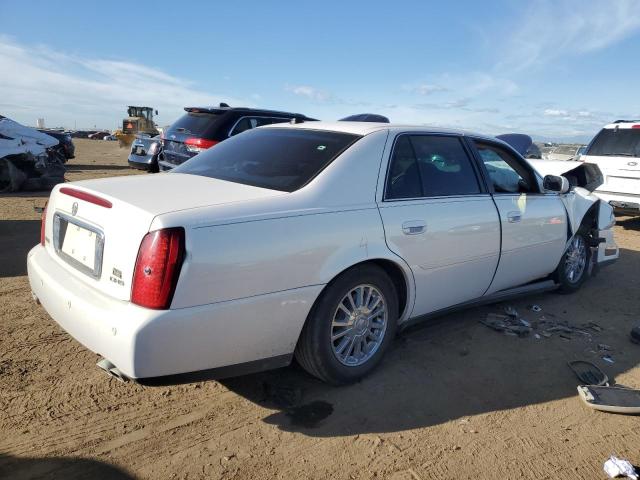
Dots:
pixel 573 268
pixel 350 327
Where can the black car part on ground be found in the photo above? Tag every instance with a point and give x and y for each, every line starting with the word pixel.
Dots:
pixel 203 127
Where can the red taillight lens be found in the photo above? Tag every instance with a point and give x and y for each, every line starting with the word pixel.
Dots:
pixel 636 126
pixel 87 197
pixel 199 144
pixel 43 224
pixel 157 268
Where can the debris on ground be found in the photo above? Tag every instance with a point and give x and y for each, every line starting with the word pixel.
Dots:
pixel 28 160
pixel 511 323
pixel 608 359
pixel 588 373
pixel 535 308
pixel 618 399
pixel 616 467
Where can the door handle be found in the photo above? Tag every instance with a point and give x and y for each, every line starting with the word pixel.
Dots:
pixel 514 217
pixel 414 227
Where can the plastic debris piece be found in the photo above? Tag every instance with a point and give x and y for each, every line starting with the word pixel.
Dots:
pixel 588 373
pixel 617 467
pixel 535 308
pixel 537 336
pixel 510 311
pixel 608 359
pixel 525 322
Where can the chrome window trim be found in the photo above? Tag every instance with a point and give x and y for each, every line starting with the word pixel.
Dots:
pixel 466 149
pixel 96 272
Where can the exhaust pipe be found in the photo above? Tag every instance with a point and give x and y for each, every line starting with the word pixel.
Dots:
pixel 112 370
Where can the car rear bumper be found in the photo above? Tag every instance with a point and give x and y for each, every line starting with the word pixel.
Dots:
pixel 141 162
pixel 145 343
pixel 621 201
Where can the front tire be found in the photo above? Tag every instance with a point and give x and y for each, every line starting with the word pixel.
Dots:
pixel 573 268
pixel 350 327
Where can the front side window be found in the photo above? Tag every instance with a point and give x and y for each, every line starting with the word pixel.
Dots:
pixel 430 166
pixel 505 171
pixel 283 159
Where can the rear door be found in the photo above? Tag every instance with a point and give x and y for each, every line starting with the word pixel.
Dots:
pixel 438 217
pixel 534 224
pixel 617 152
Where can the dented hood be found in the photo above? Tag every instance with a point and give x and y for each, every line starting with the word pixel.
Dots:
pixel 585 175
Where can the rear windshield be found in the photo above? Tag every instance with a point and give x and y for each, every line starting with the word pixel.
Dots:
pixel 274 158
pixel 194 123
pixel 624 142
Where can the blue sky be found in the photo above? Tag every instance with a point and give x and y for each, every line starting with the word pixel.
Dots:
pixel 555 69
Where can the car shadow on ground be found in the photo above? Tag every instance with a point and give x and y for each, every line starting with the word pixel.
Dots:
pixel 79 167
pixel 453 367
pixel 629 223
pixel 16 468
pixel 17 237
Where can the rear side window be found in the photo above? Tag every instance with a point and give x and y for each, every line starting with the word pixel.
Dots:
pixel 430 166
pixel 193 123
pixel 279 158
pixel 621 142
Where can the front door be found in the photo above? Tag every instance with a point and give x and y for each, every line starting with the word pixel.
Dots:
pixel 534 224
pixel 439 219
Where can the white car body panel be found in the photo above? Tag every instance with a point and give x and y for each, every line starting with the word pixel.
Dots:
pixel 257 259
pixel 534 234
pixel 621 174
pixel 460 246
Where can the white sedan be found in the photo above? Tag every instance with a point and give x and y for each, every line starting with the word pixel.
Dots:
pixel 316 240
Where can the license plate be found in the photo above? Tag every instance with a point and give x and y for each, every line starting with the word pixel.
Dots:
pixel 81 245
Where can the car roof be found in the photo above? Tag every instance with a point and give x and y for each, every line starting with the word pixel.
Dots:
pixel 213 109
pixel 365 128
pixel 623 124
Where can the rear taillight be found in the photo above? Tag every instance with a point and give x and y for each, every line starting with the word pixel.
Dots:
pixel 157 268
pixel 43 225
pixel 199 144
pixel 636 126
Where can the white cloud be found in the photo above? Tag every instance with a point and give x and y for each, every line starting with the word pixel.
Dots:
pixel 552 112
pixel 424 88
pixel 309 92
pixel 67 90
pixel 550 29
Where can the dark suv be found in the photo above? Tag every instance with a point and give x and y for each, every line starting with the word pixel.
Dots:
pixel 202 127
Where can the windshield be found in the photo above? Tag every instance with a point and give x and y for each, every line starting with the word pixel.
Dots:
pixel 194 123
pixel 274 158
pixel 623 142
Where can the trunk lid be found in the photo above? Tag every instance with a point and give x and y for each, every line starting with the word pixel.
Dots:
pixel 99 244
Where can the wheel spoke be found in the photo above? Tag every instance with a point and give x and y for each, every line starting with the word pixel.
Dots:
pixel 358 325
pixel 341 334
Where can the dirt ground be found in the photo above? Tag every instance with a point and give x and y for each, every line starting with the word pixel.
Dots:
pixel 453 399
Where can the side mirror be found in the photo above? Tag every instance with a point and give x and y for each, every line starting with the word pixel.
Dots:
pixel 555 183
